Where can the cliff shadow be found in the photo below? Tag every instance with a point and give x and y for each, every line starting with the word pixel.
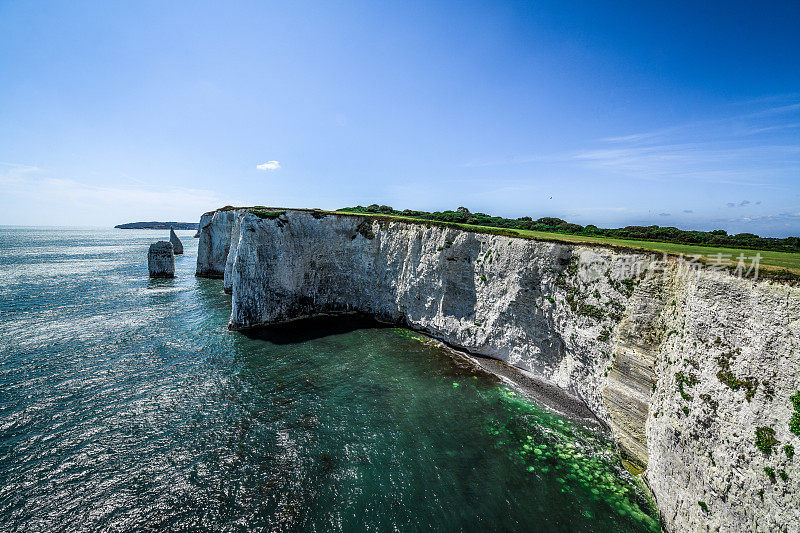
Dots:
pixel 313 327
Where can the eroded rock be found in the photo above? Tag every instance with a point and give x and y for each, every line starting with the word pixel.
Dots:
pixel 161 260
pixel 177 245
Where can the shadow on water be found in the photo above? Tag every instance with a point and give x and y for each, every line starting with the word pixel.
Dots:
pixel 159 283
pixel 312 328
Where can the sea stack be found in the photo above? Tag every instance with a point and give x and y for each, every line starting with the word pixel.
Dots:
pixel 177 245
pixel 160 260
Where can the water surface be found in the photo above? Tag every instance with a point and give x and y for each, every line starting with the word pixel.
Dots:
pixel 125 404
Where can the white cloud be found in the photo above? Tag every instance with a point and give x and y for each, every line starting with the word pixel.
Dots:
pixel 15 173
pixel 269 165
pixel 725 150
pixel 778 217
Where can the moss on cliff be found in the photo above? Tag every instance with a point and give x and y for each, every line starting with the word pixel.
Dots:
pixel 794 422
pixel 266 214
pixel 365 229
pixel 684 380
pixel 733 382
pixel 765 439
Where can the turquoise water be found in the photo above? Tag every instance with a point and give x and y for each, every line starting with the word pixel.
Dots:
pixel 125 404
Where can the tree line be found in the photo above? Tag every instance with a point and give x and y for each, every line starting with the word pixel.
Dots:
pixel 717 238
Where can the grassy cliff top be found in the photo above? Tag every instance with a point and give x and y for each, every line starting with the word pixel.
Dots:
pixel 781 265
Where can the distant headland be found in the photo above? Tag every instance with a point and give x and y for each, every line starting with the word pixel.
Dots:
pixel 158 225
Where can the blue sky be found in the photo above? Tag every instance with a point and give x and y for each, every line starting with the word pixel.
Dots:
pixel 610 113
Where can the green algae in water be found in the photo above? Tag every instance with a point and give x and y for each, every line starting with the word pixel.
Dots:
pixel 584 462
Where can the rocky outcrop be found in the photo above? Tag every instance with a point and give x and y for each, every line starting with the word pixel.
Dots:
pixel 177 245
pixel 161 260
pixel 686 368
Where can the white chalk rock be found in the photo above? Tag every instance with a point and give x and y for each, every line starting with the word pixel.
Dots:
pixel 161 260
pixel 177 245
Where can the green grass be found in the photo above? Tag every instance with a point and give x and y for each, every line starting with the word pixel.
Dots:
pixel 770 260
pixel 264 213
pixel 774 264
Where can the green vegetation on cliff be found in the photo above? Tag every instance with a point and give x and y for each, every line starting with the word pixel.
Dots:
pixel 780 257
pixel 716 238
pixel 765 439
pixel 266 213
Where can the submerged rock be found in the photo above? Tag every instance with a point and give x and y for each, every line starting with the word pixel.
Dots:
pixel 177 245
pixel 160 260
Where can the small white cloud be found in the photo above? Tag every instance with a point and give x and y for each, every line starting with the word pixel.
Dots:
pixel 269 165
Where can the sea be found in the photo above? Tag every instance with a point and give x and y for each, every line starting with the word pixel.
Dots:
pixel 126 404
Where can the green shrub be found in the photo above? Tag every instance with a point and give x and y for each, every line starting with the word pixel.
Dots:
pixel 557 225
pixel 703 506
pixel 783 475
pixel 686 380
pixel 727 377
pixel 765 439
pixel 365 229
pixel 591 311
pixel 628 284
pixel 789 450
pixel 794 422
pixel 770 473
pixel 267 214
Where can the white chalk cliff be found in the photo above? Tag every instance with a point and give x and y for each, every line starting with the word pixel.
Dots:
pixel 684 369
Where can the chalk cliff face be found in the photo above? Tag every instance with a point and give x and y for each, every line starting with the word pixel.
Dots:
pixel 731 346
pixel 215 239
pixel 659 355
